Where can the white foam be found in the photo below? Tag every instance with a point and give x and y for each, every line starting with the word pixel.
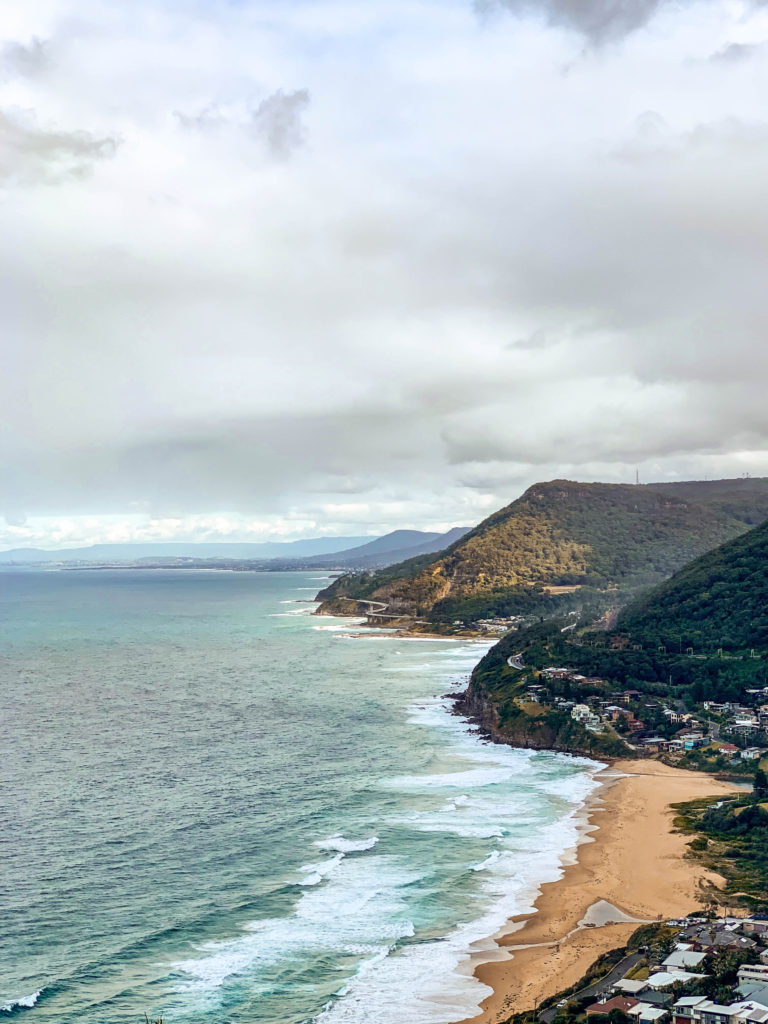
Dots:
pixel 23 1002
pixel 338 627
pixel 519 813
pixel 315 873
pixel 462 780
pixel 489 860
pixel 360 911
pixel 338 842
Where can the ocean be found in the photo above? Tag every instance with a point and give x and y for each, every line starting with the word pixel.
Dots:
pixel 220 808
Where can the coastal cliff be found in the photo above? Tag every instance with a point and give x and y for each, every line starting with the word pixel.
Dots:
pixel 495 700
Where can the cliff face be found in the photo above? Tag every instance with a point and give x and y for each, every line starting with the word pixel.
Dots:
pixel 505 721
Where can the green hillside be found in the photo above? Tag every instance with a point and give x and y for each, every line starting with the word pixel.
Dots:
pixel 719 601
pixel 700 636
pixel 562 534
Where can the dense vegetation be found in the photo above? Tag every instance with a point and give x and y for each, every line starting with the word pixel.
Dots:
pixel 559 534
pixel 716 602
pixel 666 674
pixel 702 635
pixel 732 839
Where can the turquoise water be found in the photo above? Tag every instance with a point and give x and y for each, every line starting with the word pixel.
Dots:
pixel 219 808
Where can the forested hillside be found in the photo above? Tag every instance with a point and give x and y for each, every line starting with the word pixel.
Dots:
pixel 719 601
pixel 563 542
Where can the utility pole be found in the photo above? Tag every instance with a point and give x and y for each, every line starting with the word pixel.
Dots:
pixel 637 476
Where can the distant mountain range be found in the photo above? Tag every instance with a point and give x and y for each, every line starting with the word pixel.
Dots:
pixel 327 552
pixel 395 547
pixel 133 552
pixel 563 535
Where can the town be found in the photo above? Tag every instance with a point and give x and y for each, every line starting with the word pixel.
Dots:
pixel 695 970
pixel 713 736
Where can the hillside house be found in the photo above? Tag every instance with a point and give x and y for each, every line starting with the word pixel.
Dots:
pixel 623 1003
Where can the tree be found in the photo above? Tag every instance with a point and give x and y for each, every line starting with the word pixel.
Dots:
pixel 760 785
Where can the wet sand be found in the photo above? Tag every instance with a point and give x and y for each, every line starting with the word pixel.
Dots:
pixel 631 859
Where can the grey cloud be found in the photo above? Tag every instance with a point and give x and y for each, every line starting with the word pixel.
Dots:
pixel 599 20
pixel 257 462
pixel 277 120
pixel 30 154
pixel 537 340
pixel 25 59
pixel 205 120
pixel 734 53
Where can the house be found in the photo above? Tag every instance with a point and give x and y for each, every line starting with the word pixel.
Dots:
pixel 683 959
pixel 745 722
pixel 693 742
pixel 751 754
pixel 677 716
pixel 646 1013
pixel 698 1010
pixel 728 748
pixel 586 717
pixel 623 1003
pixel 630 986
pixel 656 743
pixel 712 938
pixel 753 972
pixel 663 979
pixel 656 998
pixel 685 1010
pixel 755 993
pixel 756 925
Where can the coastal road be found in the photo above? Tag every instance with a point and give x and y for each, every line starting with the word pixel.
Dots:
pixel 516 661
pixel 379 612
pixel 615 974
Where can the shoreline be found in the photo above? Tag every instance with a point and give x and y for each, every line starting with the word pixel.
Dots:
pixel 626 856
pixel 625 859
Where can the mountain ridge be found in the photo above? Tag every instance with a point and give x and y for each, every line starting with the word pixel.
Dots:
pixel 568 536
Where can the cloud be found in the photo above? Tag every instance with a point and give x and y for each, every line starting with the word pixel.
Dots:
pixel 31 155
pixel 482 272
pixel 734 53
pixel 599 20
pixel 25 59
pixel 277 120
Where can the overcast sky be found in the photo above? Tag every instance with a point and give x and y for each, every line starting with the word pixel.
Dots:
pixel 329 266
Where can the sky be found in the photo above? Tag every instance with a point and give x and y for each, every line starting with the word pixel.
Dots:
pixel 323 267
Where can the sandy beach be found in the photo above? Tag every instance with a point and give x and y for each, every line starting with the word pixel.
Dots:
pixel 631 859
